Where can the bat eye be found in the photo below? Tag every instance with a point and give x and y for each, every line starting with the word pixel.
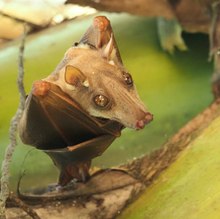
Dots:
pixel 128 79
pixel 101 100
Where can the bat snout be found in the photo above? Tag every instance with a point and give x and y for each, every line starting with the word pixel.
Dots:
pixel 140 124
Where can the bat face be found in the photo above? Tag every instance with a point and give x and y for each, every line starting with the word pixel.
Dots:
pixel 97 80
pixel 102 88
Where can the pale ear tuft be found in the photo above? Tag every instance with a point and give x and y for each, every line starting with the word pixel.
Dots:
pixel 107 51
pixel 74 76
pixel 86 83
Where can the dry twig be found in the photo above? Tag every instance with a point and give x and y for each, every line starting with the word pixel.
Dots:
pixel 4 186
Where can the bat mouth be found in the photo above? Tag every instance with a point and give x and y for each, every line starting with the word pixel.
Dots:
pixel 139 124
pixel 102 120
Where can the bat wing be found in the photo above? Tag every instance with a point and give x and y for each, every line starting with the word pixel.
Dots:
pixel 53 120
pixel 55 123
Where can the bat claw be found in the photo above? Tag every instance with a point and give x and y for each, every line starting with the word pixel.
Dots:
pixel 79 172
pixel 40 88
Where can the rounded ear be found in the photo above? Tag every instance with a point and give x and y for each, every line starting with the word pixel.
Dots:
pixel 100 36
pixel 74 76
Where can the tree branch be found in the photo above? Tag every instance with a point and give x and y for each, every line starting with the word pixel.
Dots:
pixel 4 189
pixel 109 191
pixel 138 7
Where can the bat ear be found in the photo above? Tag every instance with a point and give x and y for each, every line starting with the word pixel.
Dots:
pixel 75 77
pixel 100 36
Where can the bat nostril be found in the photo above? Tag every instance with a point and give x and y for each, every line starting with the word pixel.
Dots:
pixel 141 123
pixel 148 118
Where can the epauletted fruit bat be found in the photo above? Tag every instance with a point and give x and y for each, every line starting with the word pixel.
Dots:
pixel 76 112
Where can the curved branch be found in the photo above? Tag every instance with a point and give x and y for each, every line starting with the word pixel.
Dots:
pixel 4 186
pixel 138 7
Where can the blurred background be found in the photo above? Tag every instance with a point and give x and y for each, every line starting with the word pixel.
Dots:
pixel 174 87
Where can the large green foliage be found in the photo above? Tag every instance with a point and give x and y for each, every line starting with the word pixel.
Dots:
pixel 189 188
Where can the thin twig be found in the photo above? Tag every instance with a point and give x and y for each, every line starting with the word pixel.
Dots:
pixel 19 203
pixel 4 186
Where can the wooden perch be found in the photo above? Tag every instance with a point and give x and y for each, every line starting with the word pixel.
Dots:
pixel 108 192
pixel 189 188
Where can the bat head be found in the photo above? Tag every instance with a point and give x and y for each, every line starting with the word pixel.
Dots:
pixel 92 74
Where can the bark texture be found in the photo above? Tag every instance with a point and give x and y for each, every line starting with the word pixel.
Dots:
pixel 194 16
pixel 139 7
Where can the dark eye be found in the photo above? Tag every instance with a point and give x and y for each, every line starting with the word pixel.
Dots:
pixel 128 79
pixel 101 100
